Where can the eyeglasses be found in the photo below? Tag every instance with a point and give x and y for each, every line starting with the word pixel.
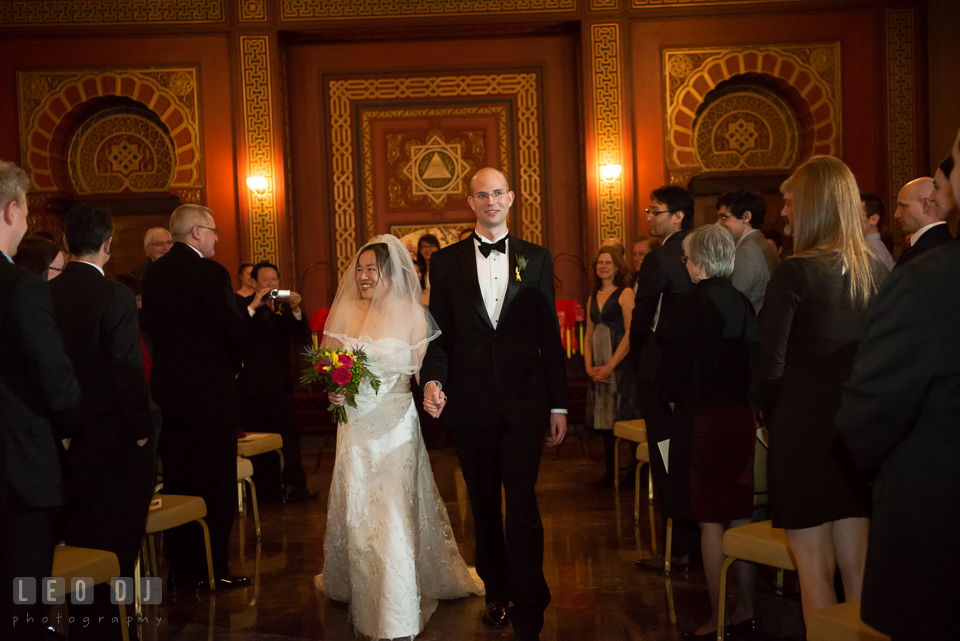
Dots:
pixel 213 229
pixel 482 195
pixel 723 216
pixel 56 269
pixel 654 212
pixel 165 243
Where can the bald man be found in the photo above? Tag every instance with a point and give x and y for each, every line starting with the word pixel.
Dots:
pixel 917 215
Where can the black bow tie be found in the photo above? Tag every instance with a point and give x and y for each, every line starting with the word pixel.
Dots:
pixel 486 248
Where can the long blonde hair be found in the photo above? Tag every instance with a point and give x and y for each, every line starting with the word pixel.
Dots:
pixel 826 205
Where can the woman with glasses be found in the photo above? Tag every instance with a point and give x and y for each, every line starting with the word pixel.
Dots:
pixel 812 323
pixel 706 372
pixel 40 256
pixel 612 393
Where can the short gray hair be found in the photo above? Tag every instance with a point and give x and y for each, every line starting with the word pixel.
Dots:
pixel 14 183
pixel 152 233
pixel 185 217
pixel 711 247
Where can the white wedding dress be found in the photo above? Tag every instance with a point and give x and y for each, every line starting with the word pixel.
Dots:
pixel 389 549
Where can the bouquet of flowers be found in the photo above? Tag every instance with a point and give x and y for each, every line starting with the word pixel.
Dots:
pixel 341 372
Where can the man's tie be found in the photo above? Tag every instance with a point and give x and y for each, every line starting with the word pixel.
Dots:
pixel 486 248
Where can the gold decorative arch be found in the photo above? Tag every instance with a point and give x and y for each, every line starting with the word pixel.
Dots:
pixel 47 98
pixel 808 74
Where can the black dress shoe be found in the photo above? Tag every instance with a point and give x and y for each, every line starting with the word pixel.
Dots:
pixel 495 616
pixel 524 635
pixel 229 582
pixel 297 494
pixel 746 630
pixel 709 636
pixel 177 582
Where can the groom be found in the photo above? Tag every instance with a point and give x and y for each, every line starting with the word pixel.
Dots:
pixel 500 361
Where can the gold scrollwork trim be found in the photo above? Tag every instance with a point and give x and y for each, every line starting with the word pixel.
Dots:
pixel 252 10
pixel 259 145
pixel 604 5
pixel 608 125
pixel 109 12
pixel 901 109
pixel 369 217
pixel 295 10
pixel 344 92
pixel 650 4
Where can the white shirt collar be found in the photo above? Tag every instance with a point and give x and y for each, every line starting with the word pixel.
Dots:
pixel 5 256
pixel 199 253
pixel 99 269
pixel 483 239
pixel 920 232
pixel 745 235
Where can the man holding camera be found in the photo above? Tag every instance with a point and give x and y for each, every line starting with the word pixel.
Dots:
pixel 265 382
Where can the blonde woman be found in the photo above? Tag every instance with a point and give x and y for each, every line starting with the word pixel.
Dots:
pixel 812 323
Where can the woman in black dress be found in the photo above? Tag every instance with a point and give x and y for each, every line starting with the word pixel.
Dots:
pixel 812 323
pixel 612 393
pixel 708 351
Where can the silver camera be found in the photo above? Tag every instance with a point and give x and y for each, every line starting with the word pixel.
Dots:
pixel 278 293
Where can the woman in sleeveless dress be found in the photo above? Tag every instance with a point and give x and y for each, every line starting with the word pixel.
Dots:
pixel 612 393
pixel 389 550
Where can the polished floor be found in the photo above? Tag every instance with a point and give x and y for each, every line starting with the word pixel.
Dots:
pixel 591 546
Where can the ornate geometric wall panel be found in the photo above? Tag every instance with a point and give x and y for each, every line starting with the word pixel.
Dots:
pixel 520 88
pixel 292 10
pixel 124 149
pixel 605 53
pixel 109 12
pixel 745 129
pixel 901 111
pixel 252 10
pixel 258 145
pixel 47 98
pixel 652 4
pixel 807 74
pixel 604 5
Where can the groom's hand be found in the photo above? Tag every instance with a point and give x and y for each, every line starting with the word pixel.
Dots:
pixel 558 428
pixel 433 399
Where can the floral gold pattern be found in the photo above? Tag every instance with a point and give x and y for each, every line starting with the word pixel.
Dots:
pixel 608 125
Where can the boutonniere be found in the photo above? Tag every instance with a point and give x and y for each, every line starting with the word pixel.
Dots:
pixel 521 265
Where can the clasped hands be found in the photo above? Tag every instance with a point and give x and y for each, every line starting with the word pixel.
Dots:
pixel 600 374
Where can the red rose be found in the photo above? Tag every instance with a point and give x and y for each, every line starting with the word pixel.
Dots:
pixel 345 361
pixel 319 366
pixel 341 376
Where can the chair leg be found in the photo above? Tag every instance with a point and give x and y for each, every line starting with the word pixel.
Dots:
pixel 206 543
pixel 151 539
pixel 242 525
pixel 124 633
pixel 616 463
pixel 253 501
pixel 669 545
pixel 636 495
pixel 649 483
pixel 137 609
pixel 280 454
pixel 723 595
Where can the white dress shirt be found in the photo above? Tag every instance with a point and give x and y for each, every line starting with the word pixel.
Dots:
pixel 493 273
pixel 98 267
pixel 920 232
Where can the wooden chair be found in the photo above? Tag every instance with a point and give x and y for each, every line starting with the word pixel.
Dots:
pixel 643 458
pixel 635 431
pixel 755 542
pixel 177 510
pixel 255 443
pixel 245 475
pixel 70 563
pixel 841 622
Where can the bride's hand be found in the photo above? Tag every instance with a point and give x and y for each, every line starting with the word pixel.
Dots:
pixel 336 399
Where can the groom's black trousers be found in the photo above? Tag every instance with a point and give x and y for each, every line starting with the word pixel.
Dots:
pixel 511 567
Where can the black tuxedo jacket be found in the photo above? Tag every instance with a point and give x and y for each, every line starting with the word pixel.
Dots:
pixel 39 396
pixel 900 417
pixel 198 337
pixel 931 239
pixel 98 322
pixel 517 370
pixel 266 364
pixel 662 274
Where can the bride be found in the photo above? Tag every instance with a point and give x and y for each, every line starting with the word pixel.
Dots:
pixel 389 550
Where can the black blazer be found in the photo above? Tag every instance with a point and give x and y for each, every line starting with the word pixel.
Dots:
pixel 39 396
pixel 709 349
pixel 98 321
pixel 517 370
pixel 932 238
pixel 900 417
pixel 662 273
pixel 266 364
pixel 198 337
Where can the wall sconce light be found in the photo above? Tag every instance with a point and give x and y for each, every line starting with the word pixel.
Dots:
pixel 610 172
pixel 258 185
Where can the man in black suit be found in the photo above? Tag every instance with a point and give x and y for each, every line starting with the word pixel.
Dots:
pixel 112 453
pixel 500 361
pixel 156 242
pixel 39 398
pixel 917 214
pixel 265 381
pixel 199 338
pixel 661 282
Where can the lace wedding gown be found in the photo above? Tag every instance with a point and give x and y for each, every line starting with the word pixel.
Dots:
pixel 389 549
